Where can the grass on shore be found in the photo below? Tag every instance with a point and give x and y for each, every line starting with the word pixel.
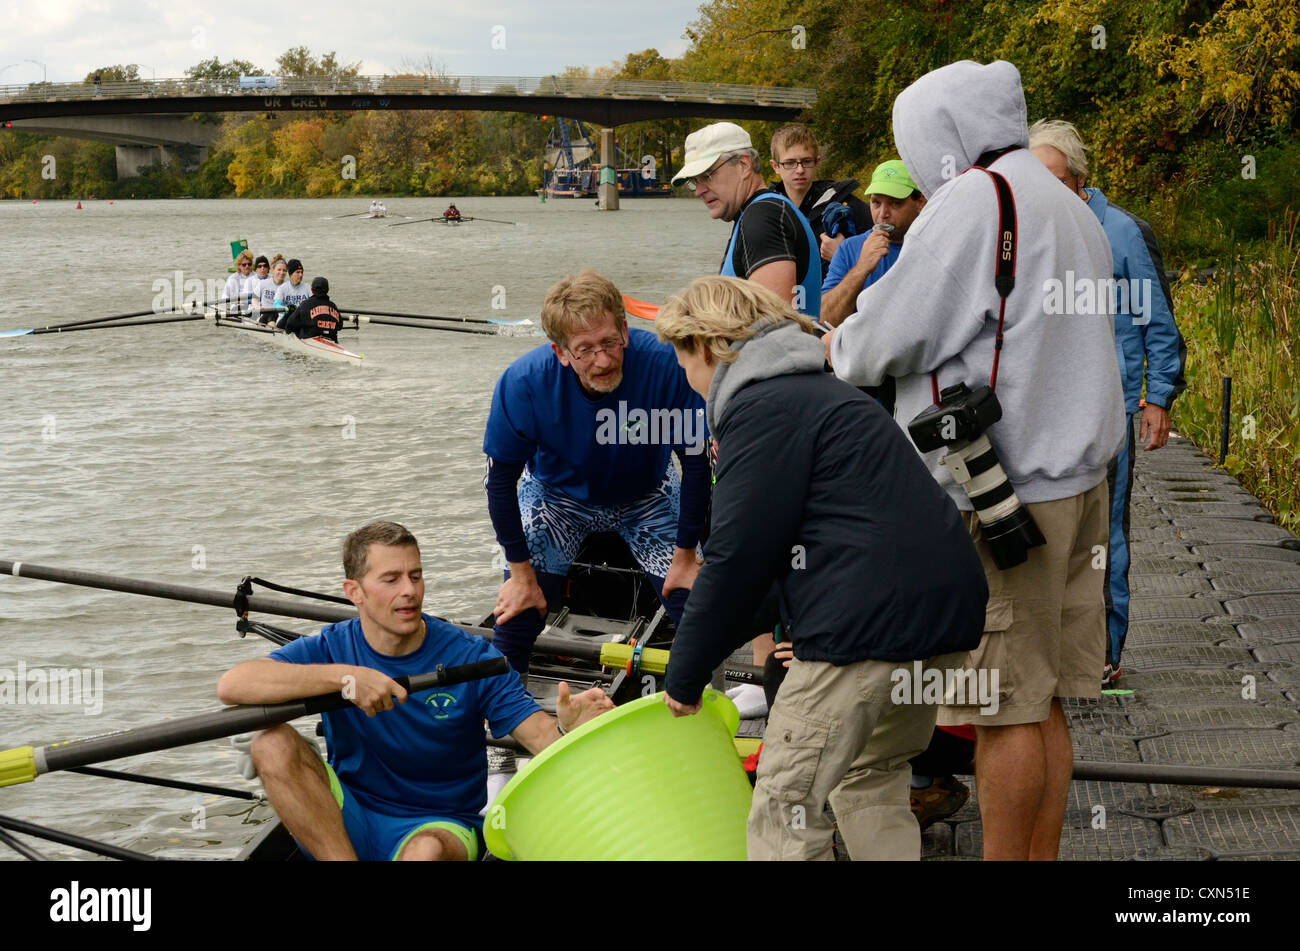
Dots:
pixel 1245 324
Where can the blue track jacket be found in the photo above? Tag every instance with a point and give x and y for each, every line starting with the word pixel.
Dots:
pixel 1145 333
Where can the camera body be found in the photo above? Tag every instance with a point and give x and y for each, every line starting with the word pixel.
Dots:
pixel 960 421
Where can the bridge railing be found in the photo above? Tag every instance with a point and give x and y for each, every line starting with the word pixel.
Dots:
pixel 416 85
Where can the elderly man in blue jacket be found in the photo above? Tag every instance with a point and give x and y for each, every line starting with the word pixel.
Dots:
pixel 1146 337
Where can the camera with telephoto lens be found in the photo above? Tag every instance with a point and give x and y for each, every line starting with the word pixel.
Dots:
pixel 959 421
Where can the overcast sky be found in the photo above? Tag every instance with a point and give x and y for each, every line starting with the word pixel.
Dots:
pixel 72 38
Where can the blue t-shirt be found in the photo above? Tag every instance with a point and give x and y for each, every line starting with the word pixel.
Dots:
pixel 605 451
pixel 847 254
pixel 427 756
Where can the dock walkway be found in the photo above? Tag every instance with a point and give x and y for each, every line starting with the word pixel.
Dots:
pixel 1211 677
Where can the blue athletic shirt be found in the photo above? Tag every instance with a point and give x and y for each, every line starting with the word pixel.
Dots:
pixel 542 416
pixel 847 254
pixel 427 756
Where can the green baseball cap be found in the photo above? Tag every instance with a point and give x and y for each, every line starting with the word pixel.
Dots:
pixel 891 178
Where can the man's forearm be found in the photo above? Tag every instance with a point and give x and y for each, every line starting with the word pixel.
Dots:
pixel 842 299
pixel 272 681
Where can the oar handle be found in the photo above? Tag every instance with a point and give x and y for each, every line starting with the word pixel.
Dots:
pixel 26 763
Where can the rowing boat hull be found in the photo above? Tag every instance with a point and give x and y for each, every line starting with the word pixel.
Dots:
pixel 316 347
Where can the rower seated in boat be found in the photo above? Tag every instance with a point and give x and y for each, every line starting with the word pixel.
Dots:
pixel 406 776
pixel 315 316
pixel 291 293
pixel 452 213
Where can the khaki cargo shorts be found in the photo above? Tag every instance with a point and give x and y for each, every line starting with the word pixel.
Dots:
pixel 1045 626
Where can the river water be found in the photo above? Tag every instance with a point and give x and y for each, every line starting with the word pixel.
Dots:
pixel 196 455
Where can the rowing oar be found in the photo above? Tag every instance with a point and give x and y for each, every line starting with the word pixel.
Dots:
pixel 411 323
pixel 415 221
pixel 24 763
pixel 640 308
pixel 94 320
pixel 612 655
pixel 495 221
pixel 462 320
pixel 353 215
pixel 98 325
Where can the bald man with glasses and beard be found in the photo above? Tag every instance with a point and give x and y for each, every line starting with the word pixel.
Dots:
pixel 580 440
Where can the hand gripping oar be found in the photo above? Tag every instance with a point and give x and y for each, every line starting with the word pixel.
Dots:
pixel 25 763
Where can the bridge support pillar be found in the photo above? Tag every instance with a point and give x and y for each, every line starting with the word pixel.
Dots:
pixel 607 188
pixel 132 160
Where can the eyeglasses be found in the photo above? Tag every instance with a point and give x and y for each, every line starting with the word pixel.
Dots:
pixel 244 264
pixel 790 164
pixel 610 345
pixel 704 177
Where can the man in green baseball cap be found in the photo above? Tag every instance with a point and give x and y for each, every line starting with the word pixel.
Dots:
pixel 863 259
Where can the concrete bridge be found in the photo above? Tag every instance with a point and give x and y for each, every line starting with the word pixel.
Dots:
pixel 138 116
pixel 140 141
pixel 608 102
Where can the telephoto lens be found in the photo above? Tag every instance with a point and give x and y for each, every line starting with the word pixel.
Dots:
pixel 958 421
pixel 1008 527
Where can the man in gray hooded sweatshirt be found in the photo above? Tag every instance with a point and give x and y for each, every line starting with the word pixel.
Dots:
pixel 936 312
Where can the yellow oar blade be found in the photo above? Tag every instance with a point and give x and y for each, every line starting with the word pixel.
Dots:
pixel 17 766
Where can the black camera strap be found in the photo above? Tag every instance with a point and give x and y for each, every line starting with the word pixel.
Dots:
pixel 1004 264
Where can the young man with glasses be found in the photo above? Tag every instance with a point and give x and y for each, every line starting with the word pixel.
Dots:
pixel 771 242
pixel 580 440
pixel 831 208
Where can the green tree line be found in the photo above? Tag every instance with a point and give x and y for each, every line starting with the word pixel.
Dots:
pixel 1189 106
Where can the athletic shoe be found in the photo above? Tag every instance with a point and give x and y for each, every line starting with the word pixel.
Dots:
pixel 1110 675
pixel 944 796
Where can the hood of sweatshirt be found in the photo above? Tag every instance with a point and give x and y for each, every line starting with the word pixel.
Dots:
pixel 948 118
pixel 777 350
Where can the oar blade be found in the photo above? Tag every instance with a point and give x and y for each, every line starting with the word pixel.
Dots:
pixel 640 308
pixel 16 333
pixel 17 766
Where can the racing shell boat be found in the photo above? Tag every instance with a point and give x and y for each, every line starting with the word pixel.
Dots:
pixel 317 347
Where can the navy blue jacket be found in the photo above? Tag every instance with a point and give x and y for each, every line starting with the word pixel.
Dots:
pixel 819 491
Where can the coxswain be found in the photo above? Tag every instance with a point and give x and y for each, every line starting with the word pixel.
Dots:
pixel 316 316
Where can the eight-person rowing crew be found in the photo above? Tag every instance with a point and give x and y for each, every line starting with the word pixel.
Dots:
pixel 283 298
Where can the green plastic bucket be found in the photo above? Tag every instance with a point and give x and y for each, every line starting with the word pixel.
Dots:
pixel 634 783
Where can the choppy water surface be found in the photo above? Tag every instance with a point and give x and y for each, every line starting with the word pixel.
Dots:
pixel 197 455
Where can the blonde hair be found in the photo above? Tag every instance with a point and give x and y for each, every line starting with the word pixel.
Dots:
pixel 788 136
pixel 578 302
pixel 714 312
pixel 1063 137
pixel 244 255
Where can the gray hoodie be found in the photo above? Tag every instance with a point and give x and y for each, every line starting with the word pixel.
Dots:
pixel 936 308
pixel 775 350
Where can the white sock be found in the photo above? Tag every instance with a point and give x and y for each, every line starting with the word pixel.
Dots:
pixel 750 701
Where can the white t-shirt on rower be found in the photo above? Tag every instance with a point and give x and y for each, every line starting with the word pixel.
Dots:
pixel 291 296
pixel 266 291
